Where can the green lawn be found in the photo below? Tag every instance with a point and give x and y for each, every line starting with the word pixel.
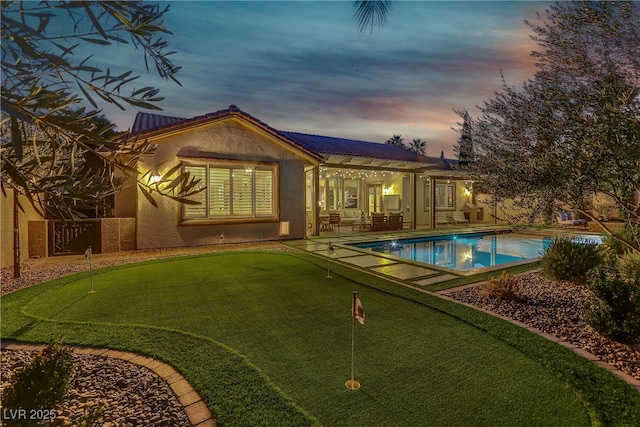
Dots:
pixel 265 338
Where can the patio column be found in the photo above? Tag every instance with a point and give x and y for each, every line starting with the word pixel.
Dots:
pixel 414 197
pixel 432 202
pixel 316 199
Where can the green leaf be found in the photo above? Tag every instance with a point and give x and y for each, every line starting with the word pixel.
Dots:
pixel 94 20
pixel 148 195
pixel 16 138
pixel 184 200
pixel 96 41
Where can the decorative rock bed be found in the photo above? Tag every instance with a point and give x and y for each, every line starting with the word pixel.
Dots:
pixel 128 394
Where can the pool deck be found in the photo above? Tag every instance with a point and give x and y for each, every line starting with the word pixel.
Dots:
pixel 393 267
pixel 410 272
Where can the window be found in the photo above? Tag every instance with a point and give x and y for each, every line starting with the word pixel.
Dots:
pixel 233 192
pixel 445 196
pixel 351 192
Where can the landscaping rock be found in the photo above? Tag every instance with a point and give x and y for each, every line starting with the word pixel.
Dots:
pixel 132 395
pixel 145 399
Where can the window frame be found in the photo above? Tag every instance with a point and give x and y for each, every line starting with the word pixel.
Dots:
pixel 449 195
pixel 233 167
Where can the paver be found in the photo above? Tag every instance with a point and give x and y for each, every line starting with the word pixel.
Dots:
pixel 437 279
pixel 368 261
pixel 404 271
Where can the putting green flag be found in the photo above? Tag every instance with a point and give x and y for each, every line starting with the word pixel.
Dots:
pixel 358 310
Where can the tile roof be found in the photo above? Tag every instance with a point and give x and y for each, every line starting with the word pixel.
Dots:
pixel 147 125
pixel 319 145
pixel 352 147
pixel 147 122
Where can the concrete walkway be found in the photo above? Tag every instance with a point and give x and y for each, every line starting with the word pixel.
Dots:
pixel 196 410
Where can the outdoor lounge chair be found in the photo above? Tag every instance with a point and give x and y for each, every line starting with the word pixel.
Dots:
pixel 458 218
pixel 378 222
pixel 395 221
pixel 334 220
pixel 565 219
pixel 441 218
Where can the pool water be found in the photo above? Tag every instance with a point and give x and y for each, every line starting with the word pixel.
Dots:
pixel 466 252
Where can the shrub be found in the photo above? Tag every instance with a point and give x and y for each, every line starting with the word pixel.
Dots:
pixel 608 255
pixel 503 287
pixel 614 309
pixel 615 246
pixel 43 383
pixel 628 265
pixel 566 259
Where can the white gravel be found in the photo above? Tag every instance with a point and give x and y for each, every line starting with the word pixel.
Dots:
pixel 552 307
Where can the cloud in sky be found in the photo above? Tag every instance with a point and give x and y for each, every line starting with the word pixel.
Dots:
pixel 303 66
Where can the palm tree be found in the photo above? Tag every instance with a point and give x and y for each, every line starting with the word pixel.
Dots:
pixel 419 146
pixel 371 12
pixel 396 140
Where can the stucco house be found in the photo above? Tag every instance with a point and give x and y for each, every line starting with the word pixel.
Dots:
pixel 259 183
pixel 252 173
pixel 266 184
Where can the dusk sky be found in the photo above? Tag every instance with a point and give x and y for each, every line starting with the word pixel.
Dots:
pixel 305 67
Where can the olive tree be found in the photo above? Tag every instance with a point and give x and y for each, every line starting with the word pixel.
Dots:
pixel 572 131
pixel 54 147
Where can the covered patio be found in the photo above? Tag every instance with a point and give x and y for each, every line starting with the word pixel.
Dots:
pixel 368 187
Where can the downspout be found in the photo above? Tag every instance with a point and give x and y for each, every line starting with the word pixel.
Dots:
pixel 16 236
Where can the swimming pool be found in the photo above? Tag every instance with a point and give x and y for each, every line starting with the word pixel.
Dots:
pixel 468 251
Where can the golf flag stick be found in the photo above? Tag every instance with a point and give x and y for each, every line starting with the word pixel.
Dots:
pixel 330 252
pixel 88 255
pixel 357 313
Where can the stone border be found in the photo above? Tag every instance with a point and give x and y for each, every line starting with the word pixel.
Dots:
pixel 196 410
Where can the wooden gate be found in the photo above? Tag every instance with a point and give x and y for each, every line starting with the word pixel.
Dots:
pixel 73 238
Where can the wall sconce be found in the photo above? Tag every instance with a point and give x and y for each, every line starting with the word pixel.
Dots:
pixel 155 179
pixel 468 192
pixel 386 191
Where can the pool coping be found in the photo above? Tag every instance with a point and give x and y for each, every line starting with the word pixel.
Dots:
pixel 320 244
